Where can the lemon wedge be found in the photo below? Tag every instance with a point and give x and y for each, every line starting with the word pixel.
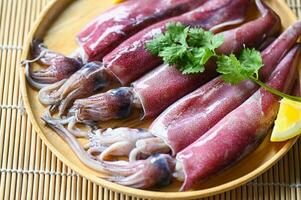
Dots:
pixel 288 122
pixel 118 1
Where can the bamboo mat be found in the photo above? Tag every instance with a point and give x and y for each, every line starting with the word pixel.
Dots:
pixel 28 170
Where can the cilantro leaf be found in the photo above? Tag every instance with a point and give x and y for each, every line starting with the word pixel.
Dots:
pixel 187 48
pixel 207 40
pixel 175 29
pixel 231 69
pixel 235 70
pixel 158 44
pixel 171 54
pixel 193 68
pixel 196 36
pixel 217 41
pixel 251 61
pixel 204 55
pixel 177 32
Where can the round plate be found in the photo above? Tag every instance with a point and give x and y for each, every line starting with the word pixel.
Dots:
pixel 58 25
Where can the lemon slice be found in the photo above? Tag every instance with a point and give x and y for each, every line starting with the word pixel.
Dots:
pixel 118 1
pixel 288 122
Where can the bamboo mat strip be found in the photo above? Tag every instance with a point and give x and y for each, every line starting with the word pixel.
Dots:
pixel 28 169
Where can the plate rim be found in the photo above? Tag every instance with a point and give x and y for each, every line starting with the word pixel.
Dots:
pixel 44 15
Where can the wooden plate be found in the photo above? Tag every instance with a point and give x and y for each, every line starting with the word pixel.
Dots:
pixel 58 25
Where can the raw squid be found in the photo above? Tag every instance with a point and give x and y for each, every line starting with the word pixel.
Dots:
pixel 237 134
pixel 229 140
pixel 187 119
pixel 197 111
pixel 182 123
pixel 130 60
pixel 89 80
pixel 102 35
pixel 161 87
pixel 108 30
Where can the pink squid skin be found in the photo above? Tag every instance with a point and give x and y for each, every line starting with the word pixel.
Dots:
pixel 114 26
pixel 130 60
pixel 192 123
pixel 280 47
pixel 53 73
pixel 192 116
pixel 164 85
pixel 238 133
pixel 251 34
pixel 101 36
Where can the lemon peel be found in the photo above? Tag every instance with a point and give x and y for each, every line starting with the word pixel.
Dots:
pixel 288 122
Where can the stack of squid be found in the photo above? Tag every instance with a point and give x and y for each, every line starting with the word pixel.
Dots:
pixel 203 125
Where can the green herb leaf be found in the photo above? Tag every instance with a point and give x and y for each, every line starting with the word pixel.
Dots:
pixel 196 37
pixel 204 55
pixel 217 41
pixel 187 48
pixel 192 68
pixel 231 69
pixel 171 54
pixel 251 61
pixel 177 32
pixel 158 44
pixel 235 70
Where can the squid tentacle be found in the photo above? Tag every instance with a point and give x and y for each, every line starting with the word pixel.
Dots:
pixel 72 129
pixel 77 149
pixel 147 147
pixel 28 75
pixel 156 170
pixel 115 142
pixel 58 66
pixel 47 96
pixel 114 104
pixel 90 79
pixel 67 102
pixel 77 132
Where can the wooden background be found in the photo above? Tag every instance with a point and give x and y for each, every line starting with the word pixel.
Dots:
pixel 28 170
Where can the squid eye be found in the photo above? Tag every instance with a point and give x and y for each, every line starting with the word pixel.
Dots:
pixel 142 130
pixel 125 99
pixel 90 68
pixel 164 171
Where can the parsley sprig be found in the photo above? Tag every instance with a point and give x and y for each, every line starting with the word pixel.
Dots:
pixel 246 67
pixel 189 49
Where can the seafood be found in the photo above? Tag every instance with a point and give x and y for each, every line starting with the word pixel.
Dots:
pixel 105 142
pixel 228 141
pixel 90 79
pixel 190 117
pixel 130 60
pixel 203 100
pixel 155 170
pixel 187 119
pixel 240 131
pixel 53 73
pixel 102 35
pixel 151 96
